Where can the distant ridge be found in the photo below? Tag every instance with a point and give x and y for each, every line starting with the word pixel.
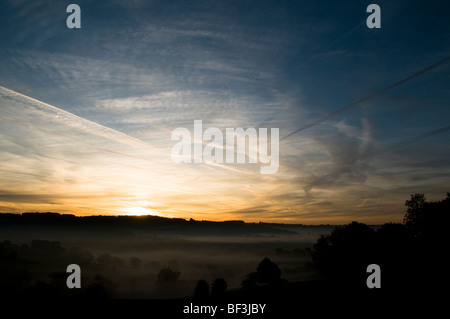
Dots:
pixel 147 223
pixel 57 217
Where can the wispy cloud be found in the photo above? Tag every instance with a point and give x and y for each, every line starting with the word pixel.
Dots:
pixel 116 89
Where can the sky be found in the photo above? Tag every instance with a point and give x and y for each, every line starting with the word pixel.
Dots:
pixel 87 114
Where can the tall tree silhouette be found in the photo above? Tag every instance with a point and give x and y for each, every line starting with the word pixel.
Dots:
pixel 427 220
pixel 415 213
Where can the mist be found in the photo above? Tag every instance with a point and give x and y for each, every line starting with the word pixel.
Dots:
pixel 148 257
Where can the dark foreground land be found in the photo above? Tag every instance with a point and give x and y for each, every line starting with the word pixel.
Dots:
pixel 199 262
pixel 145 256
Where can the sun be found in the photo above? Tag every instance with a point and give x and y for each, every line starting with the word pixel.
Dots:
pixel 140 211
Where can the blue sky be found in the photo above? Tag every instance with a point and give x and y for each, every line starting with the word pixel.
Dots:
pixel 87 114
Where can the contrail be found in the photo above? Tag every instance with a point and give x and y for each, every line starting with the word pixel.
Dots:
pixel 414 139
pixel 390 87
pixel 81 122
pixel 100 130
pixel 332 43
pixel 346 34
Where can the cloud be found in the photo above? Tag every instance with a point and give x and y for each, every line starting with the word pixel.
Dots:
pixel 46 150
pixel 345 158
pixel 48 144
pixel 115 91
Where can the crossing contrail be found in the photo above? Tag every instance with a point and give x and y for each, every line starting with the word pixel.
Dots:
pixel 390 87
pixel 414 139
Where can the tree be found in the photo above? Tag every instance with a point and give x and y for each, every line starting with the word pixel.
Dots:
pixel 267 271
pixel 99 288
pixel 218 288
pixel 201 290
pixel 412 256
pixel 427 220
pixel 81 255
pixel 248 284
pixel 345 253
pixel 415 213
pixel 167 275
pixel 135 262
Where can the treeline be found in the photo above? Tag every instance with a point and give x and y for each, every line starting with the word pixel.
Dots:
pixel 412 255
pixel 37 269
pixel 133 223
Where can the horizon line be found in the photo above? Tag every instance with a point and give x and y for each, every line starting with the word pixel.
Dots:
pixel 189 219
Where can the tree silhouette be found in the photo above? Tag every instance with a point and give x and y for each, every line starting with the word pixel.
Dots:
pixel 201 290
pixel 43 290
pixel 345 253
pixel 427 220
pixel 248 284
pixel 415 213
pixel 412 256
pixel 267 271
pixel 218 288
pixel 167 275
pixel 135 262
pixel 81 255
pixel 98 288
pixel 395 255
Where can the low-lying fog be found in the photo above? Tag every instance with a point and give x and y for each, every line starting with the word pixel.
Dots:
pixel 153 264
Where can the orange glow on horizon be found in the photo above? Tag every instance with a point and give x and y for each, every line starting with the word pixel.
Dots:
pixel 141 211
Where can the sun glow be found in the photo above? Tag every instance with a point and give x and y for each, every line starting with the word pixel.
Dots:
pixel 141 211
